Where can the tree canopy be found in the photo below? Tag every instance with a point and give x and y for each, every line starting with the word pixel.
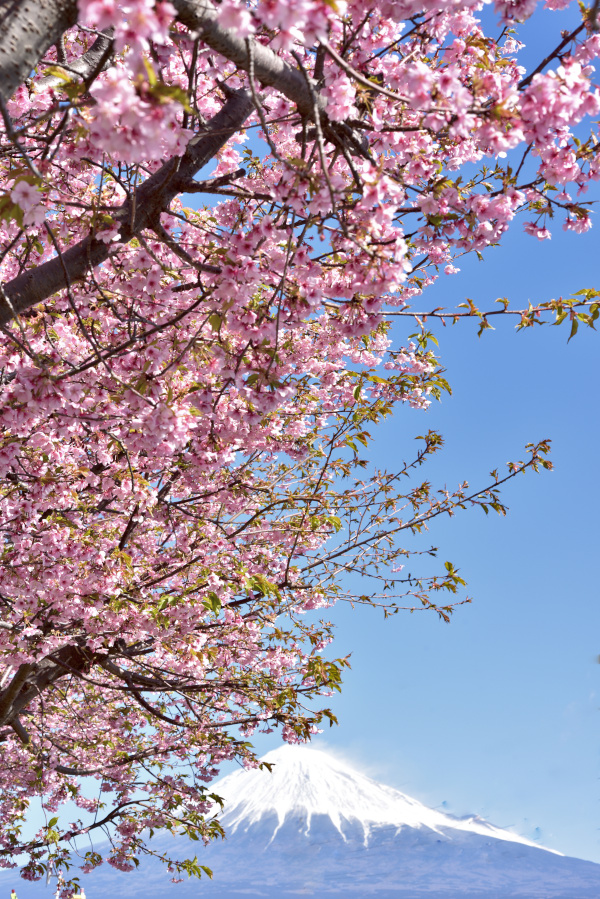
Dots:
pixel 210 215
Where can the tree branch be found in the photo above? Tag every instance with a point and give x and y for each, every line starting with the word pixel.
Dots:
pixel 27 29
pixel 87 66
pixel 120 763
pixel 201 16
pixel 30 680
pixel 267 68
pixel 139 212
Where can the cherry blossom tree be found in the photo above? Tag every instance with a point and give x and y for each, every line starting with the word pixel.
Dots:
pixel 210 214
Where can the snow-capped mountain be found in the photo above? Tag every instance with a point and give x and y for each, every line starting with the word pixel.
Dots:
pixel 306 785
pixel 317 827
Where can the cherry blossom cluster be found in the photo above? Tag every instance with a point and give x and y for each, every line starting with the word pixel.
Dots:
pixel 184 416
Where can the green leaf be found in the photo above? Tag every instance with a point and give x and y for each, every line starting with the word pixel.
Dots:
pixel 258 583
pixel 166 93
pixel 212 603
pixel 10 211
pixel 574 328
pixel 58 72
pixel 150 73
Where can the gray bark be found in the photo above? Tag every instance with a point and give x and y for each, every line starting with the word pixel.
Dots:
pixel 269 69
pixel 87 66
pixel 27 29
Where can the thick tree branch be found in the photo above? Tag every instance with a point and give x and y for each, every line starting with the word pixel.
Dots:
pixel 152 198
pixel 87 66
pixel 27 29
pixel 269 69
pixel 20 731
pixel 10 692
pixel 31 680
pixel 120 763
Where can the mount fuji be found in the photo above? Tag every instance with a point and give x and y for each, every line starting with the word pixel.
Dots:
pixel 317 827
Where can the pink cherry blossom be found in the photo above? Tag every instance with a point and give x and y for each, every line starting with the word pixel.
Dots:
pixel 237 17
pixel 25 195
pixel 205 238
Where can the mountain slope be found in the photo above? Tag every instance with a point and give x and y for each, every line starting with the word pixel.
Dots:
pixel 316 827
pixel 306 783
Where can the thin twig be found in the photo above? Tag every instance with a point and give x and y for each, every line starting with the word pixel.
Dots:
pixel 10 133
pixel 372 85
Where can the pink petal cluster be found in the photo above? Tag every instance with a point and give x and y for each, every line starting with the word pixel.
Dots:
pixel 183 476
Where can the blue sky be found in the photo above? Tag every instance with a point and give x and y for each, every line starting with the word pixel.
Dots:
pixel 496 713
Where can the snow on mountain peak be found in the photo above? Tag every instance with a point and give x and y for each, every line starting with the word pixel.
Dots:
pixel 306 783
